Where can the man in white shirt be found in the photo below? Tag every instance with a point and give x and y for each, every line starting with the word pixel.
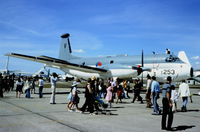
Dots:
pixel 53 87
pixel 184 92
pixel 41 85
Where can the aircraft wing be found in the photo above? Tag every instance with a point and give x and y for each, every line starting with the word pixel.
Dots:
pixel 58 63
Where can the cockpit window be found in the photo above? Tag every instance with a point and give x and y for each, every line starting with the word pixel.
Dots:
pixel 172 58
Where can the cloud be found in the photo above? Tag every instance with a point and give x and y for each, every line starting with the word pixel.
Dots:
pixel 78 51
pixel 195 58
pixel 197 63
pixel 85 41
pixel 16 45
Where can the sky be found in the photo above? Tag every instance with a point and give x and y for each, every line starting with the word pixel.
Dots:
pixel 98 28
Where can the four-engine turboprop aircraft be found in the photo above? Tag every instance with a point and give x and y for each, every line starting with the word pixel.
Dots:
pixel 159 65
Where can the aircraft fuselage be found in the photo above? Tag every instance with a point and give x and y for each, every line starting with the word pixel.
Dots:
pixel 121 66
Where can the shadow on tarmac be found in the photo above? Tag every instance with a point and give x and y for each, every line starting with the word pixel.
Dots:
pixel 182 128
pixel 190 110
pixel 197 110
pixel 118 107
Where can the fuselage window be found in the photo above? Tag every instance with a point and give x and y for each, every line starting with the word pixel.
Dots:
pixel 111 62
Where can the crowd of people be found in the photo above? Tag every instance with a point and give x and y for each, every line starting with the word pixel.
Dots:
pixel 111 91
pixel 22 85
pixel 6 84
pixel 114 91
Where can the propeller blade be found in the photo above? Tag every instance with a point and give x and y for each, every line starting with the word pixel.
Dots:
pixel 139 68
pixel 142 61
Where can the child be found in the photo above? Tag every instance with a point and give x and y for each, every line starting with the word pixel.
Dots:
pixel 174 98
pixel 109 95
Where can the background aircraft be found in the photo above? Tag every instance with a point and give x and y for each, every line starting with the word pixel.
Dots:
pixel 45 73
pixel 121 66
pixel 7 72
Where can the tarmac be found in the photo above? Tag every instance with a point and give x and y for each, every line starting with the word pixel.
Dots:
pixel 37 115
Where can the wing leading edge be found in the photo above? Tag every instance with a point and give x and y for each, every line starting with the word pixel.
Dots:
pixel 58 63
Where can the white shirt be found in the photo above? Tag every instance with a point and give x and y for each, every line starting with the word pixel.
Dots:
pixel 19 83
pixel 113 84
pixel 74 91
pixel 27 85
pixel 184 90
pixel 148 84
pixel 174 95
pixel 41 82
pixel 53 80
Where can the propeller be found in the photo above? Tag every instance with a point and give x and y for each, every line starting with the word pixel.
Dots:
pixel 140 70
pixel 139 67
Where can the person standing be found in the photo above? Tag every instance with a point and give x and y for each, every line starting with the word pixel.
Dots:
pixel 174 98
pixel 119 92
pixel 53 80
pixel 184 93
pixel 167 51
pixel 74 100
pixel 167 105
pixel 137 90
pixel 148 92
pixel 12 83
pixel 33 86
pixel 155 91
pixel 1 85
pixel 41 86
pixel 19 86
pixel 108 97
pixel 89 101
pixel 27 88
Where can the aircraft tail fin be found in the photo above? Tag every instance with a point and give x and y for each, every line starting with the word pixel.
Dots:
pixel 182 55
pixel 65 48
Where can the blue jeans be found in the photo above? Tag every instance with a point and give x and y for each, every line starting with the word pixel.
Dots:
pixel 155 104
pixel 185 101
pixel 28 93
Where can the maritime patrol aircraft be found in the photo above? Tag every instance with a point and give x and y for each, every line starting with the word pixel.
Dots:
pixel 121 66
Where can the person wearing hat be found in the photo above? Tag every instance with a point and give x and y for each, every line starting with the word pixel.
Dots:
pixel 53 80
pixel 167 105
pixel 74 100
